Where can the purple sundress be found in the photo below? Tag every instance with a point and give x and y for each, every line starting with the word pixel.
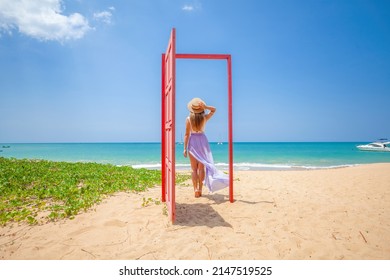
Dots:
pixel 199 147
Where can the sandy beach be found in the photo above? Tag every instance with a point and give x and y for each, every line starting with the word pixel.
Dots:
pixel 331 214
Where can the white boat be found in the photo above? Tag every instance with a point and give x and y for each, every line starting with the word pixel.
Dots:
pixel 377 146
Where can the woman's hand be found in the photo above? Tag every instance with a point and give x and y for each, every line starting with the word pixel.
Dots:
pixel 185 153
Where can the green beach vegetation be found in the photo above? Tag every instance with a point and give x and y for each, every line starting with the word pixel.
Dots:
pixel 36 191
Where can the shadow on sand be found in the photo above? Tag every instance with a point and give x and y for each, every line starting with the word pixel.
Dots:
pixel 203 214
pixel 198 214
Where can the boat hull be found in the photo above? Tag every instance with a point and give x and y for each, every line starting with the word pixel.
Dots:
pixel 373 149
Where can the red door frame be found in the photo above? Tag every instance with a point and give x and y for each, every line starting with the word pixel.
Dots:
pixel 164 143
pixel 230 107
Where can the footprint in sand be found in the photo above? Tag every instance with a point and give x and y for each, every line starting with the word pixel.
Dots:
pixel 115 223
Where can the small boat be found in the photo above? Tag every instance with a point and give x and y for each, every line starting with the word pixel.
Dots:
pixel 382 145
pixel 181 142
pixel 220 142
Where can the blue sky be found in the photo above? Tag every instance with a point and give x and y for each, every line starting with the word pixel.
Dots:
pixel 90 71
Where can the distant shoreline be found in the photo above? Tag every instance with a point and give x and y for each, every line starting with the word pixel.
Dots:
pixel 246 156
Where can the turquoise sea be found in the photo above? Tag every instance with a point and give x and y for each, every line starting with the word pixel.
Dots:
pixel 247 156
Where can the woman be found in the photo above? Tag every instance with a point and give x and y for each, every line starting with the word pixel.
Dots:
pixel 197 147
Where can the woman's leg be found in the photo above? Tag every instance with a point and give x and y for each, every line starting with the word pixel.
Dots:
pixel 195 175
pixel 201 174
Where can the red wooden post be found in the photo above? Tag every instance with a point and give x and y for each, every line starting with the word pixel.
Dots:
pixel 163 152
pixel 230 104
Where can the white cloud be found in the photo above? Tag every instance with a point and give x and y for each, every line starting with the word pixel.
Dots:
pixel 195 5
pixel 188 8
pixel 42 20
pixel 104 16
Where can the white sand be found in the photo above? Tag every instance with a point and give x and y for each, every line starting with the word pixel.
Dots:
pixel 320 214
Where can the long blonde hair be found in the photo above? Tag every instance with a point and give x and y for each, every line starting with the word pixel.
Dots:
pixel 197 121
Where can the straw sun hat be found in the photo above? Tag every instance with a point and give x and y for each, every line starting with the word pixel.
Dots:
pixel 193 105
